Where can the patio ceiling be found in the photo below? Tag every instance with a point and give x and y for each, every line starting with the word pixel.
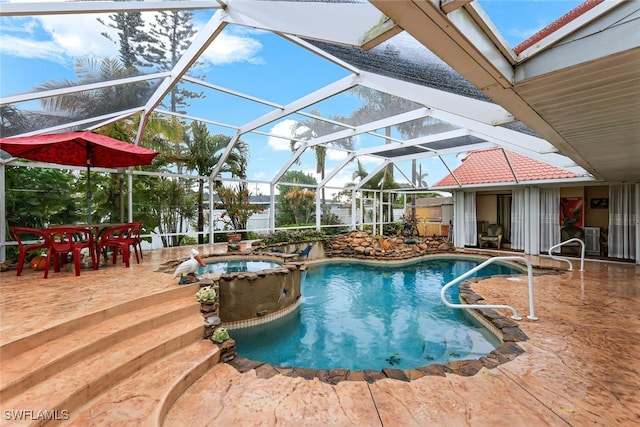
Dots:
pixel 473 92
pixel 577 87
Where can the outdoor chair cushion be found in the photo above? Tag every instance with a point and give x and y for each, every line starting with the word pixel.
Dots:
pixel 493 235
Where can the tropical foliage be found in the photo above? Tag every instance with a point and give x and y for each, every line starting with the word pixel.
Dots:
pixel 235 200
pixel 296 204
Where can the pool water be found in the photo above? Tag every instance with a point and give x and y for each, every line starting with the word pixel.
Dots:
pixel 237 266
pixel 361 317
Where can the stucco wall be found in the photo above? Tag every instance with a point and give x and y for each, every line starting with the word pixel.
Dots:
pixel 250 295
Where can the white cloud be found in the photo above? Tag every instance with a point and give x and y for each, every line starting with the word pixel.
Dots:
pixel 282 128
pixel 56 38
pixel 60 38
pixel 32 49
pixel 229 48
pixel 80 36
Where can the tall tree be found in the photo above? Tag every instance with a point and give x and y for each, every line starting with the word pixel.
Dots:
pixel 132 39
pixel 173 33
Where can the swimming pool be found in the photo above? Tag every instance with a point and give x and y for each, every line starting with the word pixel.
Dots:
pixel 237 266
pixel 361 317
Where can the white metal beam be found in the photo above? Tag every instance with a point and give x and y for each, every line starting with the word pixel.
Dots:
pixel 371 126
pixel 345 23
pixel 367 178
pixel 31 96
pixel 415 141
pixel 294 158
pixel 83 7
pixel 109 118
pixel 482 111
pixel 337 169
pixel 331 89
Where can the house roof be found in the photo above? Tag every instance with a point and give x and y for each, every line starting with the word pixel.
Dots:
pixel 557 24
pixel 496 165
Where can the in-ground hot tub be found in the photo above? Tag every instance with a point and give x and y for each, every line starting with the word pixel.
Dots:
pixel 254 289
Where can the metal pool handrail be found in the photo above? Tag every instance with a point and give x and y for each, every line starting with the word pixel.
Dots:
pixel 558 258
pixel 515 315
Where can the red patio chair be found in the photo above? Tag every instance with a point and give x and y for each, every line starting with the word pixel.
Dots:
pixel 72 240
pixel 120 238
pixel 39 240
pixel 135 238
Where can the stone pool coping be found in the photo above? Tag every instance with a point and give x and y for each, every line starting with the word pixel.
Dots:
pixel 504 328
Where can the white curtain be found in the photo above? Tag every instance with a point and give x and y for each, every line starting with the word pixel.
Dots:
pixel 470 225
pixel 622 221
pixel 518 217
pixel 549 221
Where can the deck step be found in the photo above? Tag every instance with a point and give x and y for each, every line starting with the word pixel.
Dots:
pixel 72 387
pixel 26 369
pixel 144 398
pixel 51 332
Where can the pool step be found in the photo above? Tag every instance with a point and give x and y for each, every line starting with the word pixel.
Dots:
pixel 145 397
pixel 74 362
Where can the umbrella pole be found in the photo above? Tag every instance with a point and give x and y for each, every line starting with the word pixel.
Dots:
pixel 88 184
pixel 88 194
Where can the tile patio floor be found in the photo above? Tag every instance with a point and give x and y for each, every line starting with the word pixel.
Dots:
pixel 581 364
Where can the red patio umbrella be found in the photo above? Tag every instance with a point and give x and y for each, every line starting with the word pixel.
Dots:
pixel 78 149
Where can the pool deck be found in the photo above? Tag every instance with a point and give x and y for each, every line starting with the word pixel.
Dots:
pixel 581 364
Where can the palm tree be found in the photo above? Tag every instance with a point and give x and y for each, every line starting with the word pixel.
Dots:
pixel 91 103
pixel 307 130
pixel 161 133
pixel 203 152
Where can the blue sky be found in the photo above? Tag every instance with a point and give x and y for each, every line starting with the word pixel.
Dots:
pixel 39 49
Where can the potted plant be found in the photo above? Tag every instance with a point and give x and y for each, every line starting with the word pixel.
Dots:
pixel 206 294
pixel 220 335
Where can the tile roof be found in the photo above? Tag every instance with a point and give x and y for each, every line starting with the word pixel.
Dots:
pixel 557 24
pixel 490 166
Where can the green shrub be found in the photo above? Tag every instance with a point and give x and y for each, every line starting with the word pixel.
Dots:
pixel 285 236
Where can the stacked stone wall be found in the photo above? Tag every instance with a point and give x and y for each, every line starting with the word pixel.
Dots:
pixel 364 245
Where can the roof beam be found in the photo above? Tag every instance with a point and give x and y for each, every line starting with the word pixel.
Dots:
pixel 455 150
pixel 416 141
pixel 82 7
pixel 336 87
pixel 482 111
pixel 75 89
pixel 337 169
pixel 367 178
pixel 351 24
pixel 371 126
pixel 294 158
pixel 109 118
pixel 448 6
